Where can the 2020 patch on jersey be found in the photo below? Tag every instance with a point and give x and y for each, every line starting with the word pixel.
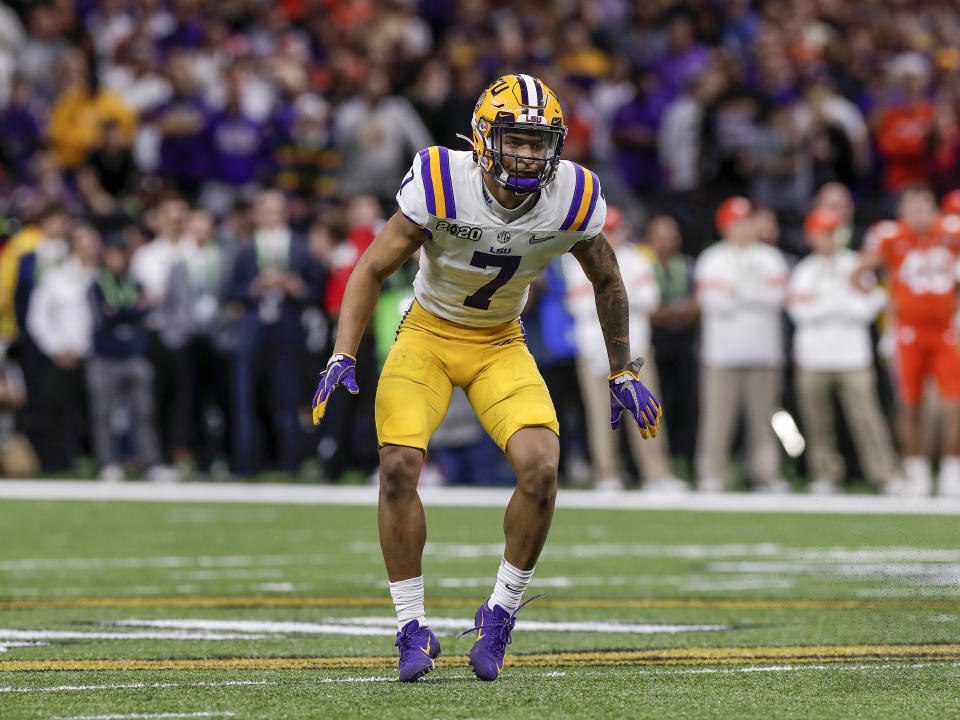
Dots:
pixel 476 267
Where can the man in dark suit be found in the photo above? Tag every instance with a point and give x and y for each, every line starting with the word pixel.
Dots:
pixel 274 278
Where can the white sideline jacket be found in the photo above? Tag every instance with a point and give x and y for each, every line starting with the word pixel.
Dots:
pixel 741 292
pixel 643 297
pixel 832 316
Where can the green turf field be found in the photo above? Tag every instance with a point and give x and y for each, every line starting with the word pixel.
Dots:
pixel 141 610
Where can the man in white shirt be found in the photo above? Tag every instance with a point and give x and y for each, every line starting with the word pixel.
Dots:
pixel 740 285
pixel 60 323
pixel 651 456
pixel 831 349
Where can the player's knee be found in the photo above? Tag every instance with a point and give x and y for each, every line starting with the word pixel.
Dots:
pixel 537 478
pixel 399 472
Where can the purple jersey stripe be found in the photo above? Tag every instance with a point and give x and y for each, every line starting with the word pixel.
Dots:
pixel 447 182
pixel 593 203
pixel 577 198
pixel 427 181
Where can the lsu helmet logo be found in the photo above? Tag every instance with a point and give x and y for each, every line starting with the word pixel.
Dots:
pixel 518 113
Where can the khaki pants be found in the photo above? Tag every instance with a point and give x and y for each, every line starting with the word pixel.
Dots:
pixel 651 456
pixel 722 393
pixel 857 392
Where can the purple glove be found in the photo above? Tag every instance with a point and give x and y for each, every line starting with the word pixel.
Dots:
pixel 341 370
pixel 628 393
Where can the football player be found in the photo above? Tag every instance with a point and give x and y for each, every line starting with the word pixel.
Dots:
pixel 487 223
pixel 920 251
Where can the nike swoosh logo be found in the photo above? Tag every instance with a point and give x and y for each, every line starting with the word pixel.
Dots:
pixel 427 648
pixel 511 589
pixel 534 240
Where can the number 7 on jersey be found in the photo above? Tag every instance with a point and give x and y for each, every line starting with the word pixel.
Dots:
pixel 508 265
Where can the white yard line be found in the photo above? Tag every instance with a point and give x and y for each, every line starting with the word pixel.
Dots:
pixel 150 716
pixel 470 497
pixel 18 634
pixel 131 686
pixel 384 625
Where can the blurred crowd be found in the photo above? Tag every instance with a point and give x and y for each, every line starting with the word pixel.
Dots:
pixel 185 187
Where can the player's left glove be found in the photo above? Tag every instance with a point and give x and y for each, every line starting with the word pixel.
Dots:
pixel 341 370
pixel 628 393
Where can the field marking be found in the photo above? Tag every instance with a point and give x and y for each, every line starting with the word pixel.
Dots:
pixel 270 493
pixel 138 716
pixel 267 567
pixel 27 635
pixel 566 603
pixel 132 686
pixel 773 655
pixel 387 626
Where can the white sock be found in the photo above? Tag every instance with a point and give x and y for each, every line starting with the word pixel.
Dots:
pixel 917 469
pixel 950 469
pixel 408 600
pixel 511 582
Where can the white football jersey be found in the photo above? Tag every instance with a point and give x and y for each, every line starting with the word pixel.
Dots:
pixel 476 267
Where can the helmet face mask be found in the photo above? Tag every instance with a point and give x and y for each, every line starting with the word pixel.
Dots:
pixel 518 133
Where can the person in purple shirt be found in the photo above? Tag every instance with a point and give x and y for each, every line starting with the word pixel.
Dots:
pixel 184 157
pixel 683 59
pixel 21 127
pixel 239 145
pixel 634 135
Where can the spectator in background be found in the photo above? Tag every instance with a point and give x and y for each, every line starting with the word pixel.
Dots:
pixel 50 249
pixel 674 332
pixel 680 130
pixel 779 162
pixel 181 122
pixel 118 372
pixel 832 351
pixel 905 129
pixel 840 140
pixel 836 198
pixel 60 323
pixel 17 246
pixel 740 286
pixel 651 456
pixel 683 59
pixel 307 164
pixel 635 137
pixel 195 325
pixel 82 111
pixel 17 458
pixel 275 278
pixel 112 160
pixel 150 268
pixel 239 152
pixel 21 127
pixel 39 60
pixel 377 134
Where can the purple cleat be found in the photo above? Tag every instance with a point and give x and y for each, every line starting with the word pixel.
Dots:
pixel 418 648
pixel 494 629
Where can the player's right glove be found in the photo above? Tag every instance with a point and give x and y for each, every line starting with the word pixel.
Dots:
pixel 628 393
pixel 341 370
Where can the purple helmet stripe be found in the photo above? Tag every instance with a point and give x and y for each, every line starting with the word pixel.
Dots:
pixel 427 181
pixel 577 198
pixel 593 203
pixel 447 182
pixel 540 103
pixel 521 81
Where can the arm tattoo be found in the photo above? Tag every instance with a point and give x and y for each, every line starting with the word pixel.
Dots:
pixel 599 262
